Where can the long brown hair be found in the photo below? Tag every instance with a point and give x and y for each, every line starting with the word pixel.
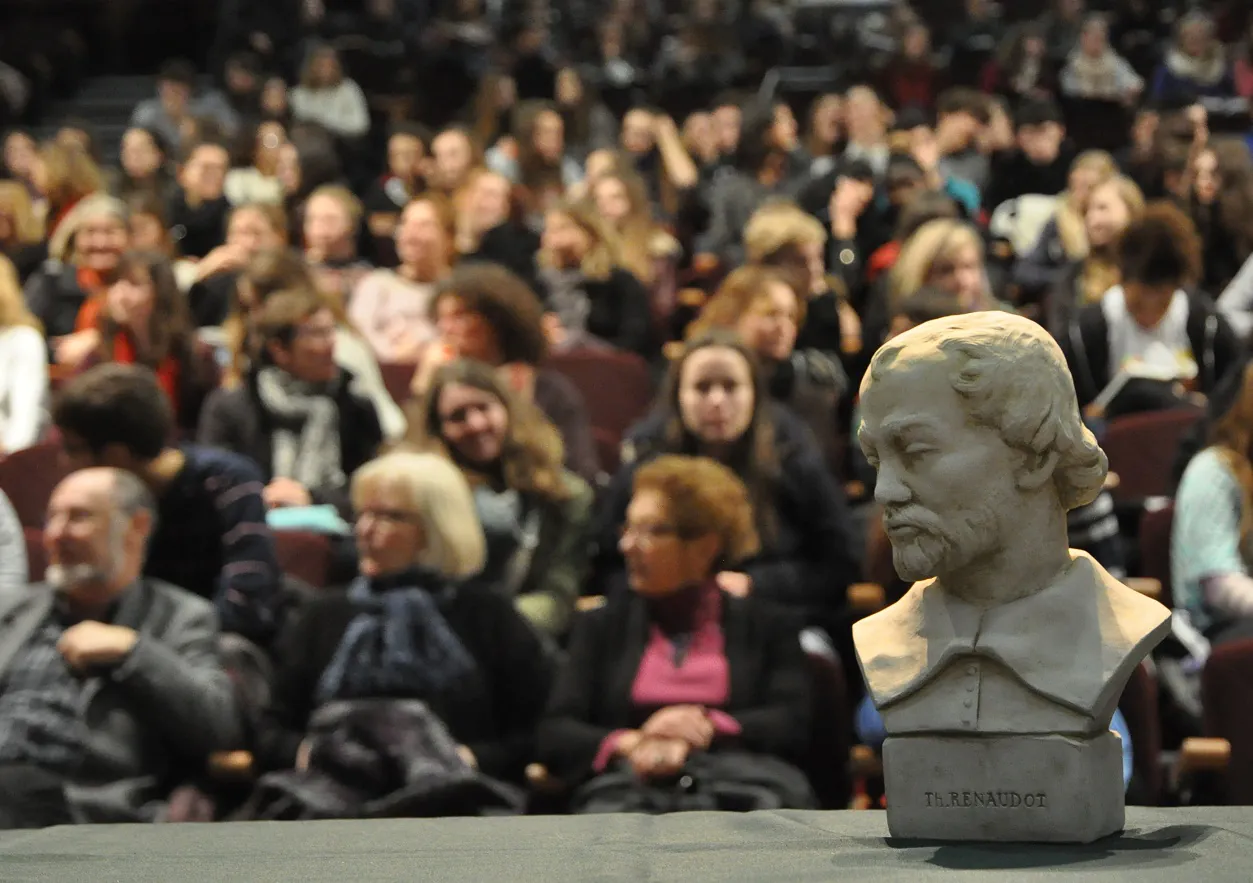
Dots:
pixel 756 458
pixel 169 329
pixel 69 175
pixel 532 456
pixel 1232 435
pixel 1235 194
pixel 638 231
pixel 737 295
pixel 605 251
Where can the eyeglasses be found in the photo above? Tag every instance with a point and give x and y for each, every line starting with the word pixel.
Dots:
pixel 647 534
pixel 388 516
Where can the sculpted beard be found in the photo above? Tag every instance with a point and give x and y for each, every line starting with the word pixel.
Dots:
pixel 937 547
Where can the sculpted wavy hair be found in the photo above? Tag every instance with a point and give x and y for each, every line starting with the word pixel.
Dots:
pixel 1013 378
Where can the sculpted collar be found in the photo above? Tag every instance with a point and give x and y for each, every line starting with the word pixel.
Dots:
pixel 1070 641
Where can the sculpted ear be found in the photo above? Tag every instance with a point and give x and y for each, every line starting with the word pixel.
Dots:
pixel 1035 470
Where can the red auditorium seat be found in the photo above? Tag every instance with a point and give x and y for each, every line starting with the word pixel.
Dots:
pixel 28 478
pixel 1155 527
pixel 397 377
pixel 304 555
pixel 617 386
pixel 1142 448
pixel 36 558
pixel 1227 697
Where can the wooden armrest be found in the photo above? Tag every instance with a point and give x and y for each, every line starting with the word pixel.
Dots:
pixel 692 298
pixel 590 602
pixel 231 765
pixel 1147 586
pixel 868 597
pixel 864 761
pixel 1112 481
pixel 1199 754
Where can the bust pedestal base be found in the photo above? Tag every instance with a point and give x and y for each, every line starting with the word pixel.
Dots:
pixel 1050 788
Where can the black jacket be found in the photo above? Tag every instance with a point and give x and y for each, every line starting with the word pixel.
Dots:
pixel 55 297
pixel 769 691
pixel 236 420
pixel 1086 346
pixel 806 567
pixel 493 713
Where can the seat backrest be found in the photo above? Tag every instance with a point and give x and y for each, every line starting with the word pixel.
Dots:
pixel 36 557
pixel 1142 448
pixel 28 478
pixel 616 386
pixel 397 377
pixel 1155 528
pixel 826 764
pixel 304 555
pixel 1139 709
pixel 1227 699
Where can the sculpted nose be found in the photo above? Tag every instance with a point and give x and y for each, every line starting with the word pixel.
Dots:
pixel 889 489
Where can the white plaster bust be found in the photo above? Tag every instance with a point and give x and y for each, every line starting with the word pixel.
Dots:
pixel 973 427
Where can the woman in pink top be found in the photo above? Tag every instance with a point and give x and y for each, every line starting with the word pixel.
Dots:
pixel 678 695
pixel 391 307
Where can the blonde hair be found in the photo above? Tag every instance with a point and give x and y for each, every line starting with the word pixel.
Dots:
pixel 777 225
pixel 27 228
pixel 1069 218
pixel 1100 271
pixel 605 251
pixel 438 494
pixel 13 310
pixel 347 201
pixel 932 243
pixel 638 232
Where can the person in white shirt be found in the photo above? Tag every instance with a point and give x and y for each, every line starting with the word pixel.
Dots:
pixel 23 368
pixel 328 98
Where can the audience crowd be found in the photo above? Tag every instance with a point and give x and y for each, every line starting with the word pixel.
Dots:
pixel 451 408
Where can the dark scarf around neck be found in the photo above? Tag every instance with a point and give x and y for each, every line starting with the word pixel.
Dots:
pixel 398 645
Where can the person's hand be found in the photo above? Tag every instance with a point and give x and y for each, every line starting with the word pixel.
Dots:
pixel 689 723
pixel 303 754
pixel 926 151
pixel 659 758
pixel 848 201
pixel 434 355
pixel 260 43
pixel 93 644
pixel 222 258
pixel 282 492
pixel 850 327
pixel 554 331
pixel 467 757
pixel 73 349
pixel 1198 116
pixel 664 126
pixel 737 584
pixel 508 146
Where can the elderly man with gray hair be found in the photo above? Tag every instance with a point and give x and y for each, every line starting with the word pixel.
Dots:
pixel 110 683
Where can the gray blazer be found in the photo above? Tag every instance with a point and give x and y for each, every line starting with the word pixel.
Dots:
pixel 155 718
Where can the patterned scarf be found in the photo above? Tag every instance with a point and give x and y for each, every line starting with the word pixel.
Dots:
pixel 305 439
pixel 399 645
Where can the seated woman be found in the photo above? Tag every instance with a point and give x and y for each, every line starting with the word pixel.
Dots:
pixel 405 629
pixel 676 676
pixel 591 298
pixel 273 270
pixel 330 231
pixel 23 368
pixel 714 403
pixel 391 307
pixel 1114 204
pixel 295 414
pixel 535 513
pixel 145 322
pixel 1211 552
pixel 250 229
pixel 1151 325
pixel 484 312
pixel 763 308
